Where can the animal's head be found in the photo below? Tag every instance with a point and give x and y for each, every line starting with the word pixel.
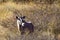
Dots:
pixel 20 18
pixel 23 17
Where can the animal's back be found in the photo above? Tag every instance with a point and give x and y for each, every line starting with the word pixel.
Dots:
pixel 30 26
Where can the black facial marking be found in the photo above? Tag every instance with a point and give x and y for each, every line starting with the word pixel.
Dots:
pixel 23 17
pixel 16 17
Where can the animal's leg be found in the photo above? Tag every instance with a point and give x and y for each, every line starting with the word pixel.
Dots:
pixel 20 28
pixel 31 29
pixel 22 31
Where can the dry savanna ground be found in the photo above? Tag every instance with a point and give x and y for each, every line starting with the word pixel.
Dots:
pixel 45 18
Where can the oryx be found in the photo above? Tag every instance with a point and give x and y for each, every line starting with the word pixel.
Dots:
pixel 22 24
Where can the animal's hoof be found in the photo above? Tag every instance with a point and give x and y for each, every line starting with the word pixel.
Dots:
pixel 22 33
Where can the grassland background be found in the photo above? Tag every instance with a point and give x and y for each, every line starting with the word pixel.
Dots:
pixel 44 14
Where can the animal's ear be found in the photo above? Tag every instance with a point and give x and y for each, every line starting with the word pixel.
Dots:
pixel 23 17
pixel 16 17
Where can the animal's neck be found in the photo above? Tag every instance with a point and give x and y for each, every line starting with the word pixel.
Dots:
pixel 18 23
pixel 23 22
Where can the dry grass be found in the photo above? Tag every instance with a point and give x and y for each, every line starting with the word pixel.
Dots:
pixel 44 17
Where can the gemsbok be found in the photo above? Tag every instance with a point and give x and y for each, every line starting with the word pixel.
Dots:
pixel 22 25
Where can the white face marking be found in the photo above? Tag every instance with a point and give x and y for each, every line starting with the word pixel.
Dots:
pixel 20 20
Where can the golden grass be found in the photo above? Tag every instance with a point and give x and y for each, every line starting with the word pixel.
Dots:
pixel 28 10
